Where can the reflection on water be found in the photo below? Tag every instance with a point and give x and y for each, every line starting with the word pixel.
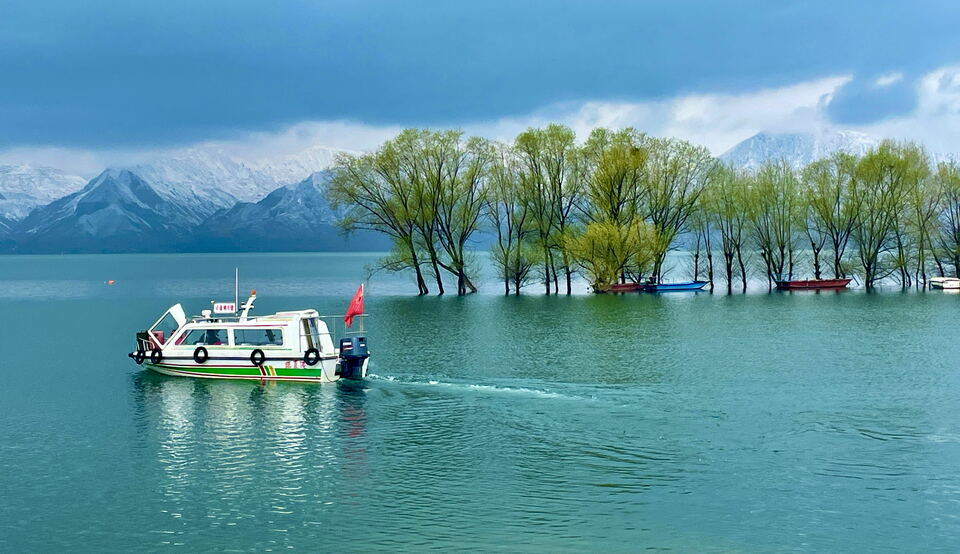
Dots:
pixel 223 443
pixel 766 422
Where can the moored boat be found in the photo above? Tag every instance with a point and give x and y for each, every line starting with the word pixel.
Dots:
pixel 944 283
pixel 675 287
pixel 624 287
pixel 808 284
pixel 227 343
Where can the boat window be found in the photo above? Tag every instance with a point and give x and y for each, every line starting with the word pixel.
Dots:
pixel 258 337
pixel 314 333
pixel 165 328
pixel 307 334
pixel 210 337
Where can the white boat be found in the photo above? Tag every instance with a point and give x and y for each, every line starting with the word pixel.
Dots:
pixel 944 283
pixel 222 344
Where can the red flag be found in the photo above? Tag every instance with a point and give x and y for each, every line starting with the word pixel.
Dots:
pixel 355 308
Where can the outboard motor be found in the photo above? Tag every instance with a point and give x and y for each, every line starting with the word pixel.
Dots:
pixel 353 356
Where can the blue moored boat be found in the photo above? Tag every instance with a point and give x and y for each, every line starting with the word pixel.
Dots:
pixel 674 287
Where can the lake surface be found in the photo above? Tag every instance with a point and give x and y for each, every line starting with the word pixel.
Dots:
pixel 692 422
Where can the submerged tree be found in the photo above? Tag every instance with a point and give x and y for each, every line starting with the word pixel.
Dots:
pixel 881 184
pixel 831 206
pixel 509 215
pixel 606 250
pixel 675 176
pixel 373 194
pixel 551 177
pixel 425 190
pixel 773 208
pixel 948 178
pixel 726 204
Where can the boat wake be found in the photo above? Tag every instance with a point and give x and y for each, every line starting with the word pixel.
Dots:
pixel 479 388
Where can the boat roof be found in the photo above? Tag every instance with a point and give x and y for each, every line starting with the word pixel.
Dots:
pixel 279 318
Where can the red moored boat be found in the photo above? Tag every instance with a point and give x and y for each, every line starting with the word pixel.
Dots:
pixel 813 284
pixel 625 287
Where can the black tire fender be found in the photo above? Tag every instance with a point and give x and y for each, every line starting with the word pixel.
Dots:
pixel 257 357
pixel 139 356
pixel 311 356
pixel 200 355
pixel 156 356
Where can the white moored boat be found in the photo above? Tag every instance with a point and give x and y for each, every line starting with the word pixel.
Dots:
pixel 944 283
pixel 285 346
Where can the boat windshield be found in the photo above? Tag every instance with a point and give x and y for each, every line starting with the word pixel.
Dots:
pixel 165 328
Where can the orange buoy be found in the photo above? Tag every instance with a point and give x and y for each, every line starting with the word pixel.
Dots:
pixel 111 281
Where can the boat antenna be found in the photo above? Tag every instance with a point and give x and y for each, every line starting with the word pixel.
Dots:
pixel 236 290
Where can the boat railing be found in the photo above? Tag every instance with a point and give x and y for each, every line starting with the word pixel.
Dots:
pixel 338 328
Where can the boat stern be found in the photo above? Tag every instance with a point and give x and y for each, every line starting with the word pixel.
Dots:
pixel 353 358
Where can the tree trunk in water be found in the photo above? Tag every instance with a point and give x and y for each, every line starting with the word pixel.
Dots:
pixel 547 262
pixel 743 270
pixel 816 261
pixel 728 268
pixel 468 286
pixel 421 284
pixel 436 272
pixel 696 261
pixel 837 273
pixel 710 268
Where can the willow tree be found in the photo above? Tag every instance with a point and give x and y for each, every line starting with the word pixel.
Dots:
pixel 461 200
pixel 674 178
pixel 701 226
pixel 421 156
pixel 948 177
pixel 882 181
pixel 606 250
pixel 509 215
pixel 373 193
pixel 831 207
pixel 773 207
pixel 552 181
pixel 725 203
pixel 925 203
pixel 613 165
pixel 423 188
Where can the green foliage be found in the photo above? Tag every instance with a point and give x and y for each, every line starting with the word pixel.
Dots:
pixel 606 251
pixel 613 206
pixel 881 185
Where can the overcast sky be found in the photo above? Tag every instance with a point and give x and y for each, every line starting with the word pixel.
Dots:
pixel 95 81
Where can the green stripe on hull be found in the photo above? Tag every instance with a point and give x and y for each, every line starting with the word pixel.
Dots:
pixel 236 372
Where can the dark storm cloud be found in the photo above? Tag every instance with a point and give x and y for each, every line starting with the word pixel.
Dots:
pixel 863 101
pixel 105 73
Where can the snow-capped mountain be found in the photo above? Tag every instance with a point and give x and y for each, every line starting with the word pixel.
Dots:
pixel 161 204
pixel 293 168
pixel 798 149
pixel 293 217
pixel 198 169
pixel 118 211
pixel 24 187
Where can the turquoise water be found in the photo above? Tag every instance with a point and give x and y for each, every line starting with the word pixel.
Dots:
pixel 765 422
